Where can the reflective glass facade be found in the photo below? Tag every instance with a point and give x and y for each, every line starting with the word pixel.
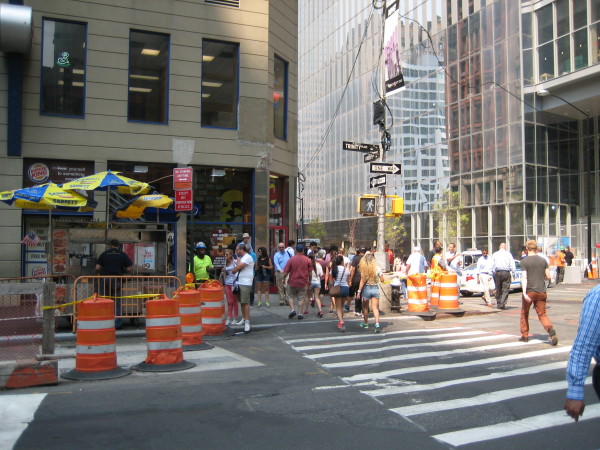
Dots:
pixel 484 159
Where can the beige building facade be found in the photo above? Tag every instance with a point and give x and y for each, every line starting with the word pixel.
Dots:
pixel 142 88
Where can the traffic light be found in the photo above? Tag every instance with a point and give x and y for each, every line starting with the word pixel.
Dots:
pixel 398 206
pixel 367 205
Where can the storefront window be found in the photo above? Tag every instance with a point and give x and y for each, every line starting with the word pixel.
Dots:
pixel 63 68
pixel 148 77
pixel 220 72
pixel 280 93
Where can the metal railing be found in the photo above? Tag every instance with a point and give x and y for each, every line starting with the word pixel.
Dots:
pixel 130 293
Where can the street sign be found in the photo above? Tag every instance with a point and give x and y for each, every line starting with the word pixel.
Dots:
pixel 356 147
pixel 378 181
pixel 390 168
pixel 184 200
pixel 182 177
pixel 371 157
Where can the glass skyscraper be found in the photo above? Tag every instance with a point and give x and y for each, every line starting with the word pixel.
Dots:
pixel 485 158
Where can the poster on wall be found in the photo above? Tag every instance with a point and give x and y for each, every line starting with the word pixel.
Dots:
pixel 220 240
pixel 394 78
pixel 39 171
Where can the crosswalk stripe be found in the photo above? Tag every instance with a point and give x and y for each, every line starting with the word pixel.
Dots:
pixel 386 341
pixel 460 351
pixel 16 411
pixel 506 429
pixel 395 390
pixel 409 346
pixel 446 366
pixel 483 399
pixel 373 336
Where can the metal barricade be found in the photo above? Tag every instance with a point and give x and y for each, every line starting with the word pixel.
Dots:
pixel 21 312
pixel 129 292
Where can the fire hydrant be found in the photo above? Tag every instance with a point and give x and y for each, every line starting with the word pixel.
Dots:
pixel 396 293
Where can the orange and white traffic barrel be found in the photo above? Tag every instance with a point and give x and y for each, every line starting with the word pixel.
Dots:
pixel 594 268
pixel 96 351
pixel 213 308
pixel 435 290
pixel 163 337
pixel 416 286
pixel 190 312
pixel 448 301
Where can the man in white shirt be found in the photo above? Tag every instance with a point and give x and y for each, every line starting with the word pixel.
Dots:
pixel 453 258
pixel 416 262
pixel 245 269
pixel 503 265
pixel 484 267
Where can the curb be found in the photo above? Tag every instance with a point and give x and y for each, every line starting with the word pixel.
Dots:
pixel 28 372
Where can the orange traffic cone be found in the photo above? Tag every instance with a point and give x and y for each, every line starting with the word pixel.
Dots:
pixel 163 338
pixel 96 353
pixel 448 301
pixel 418 305
pixel 190 311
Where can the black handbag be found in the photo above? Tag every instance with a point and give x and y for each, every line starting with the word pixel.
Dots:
pixel 236 287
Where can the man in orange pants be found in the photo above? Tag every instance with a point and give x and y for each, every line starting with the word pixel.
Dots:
pixel 534 272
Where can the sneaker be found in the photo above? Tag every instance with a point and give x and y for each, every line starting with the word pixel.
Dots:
pixel 228 322
pixel 292 314
pixel 553 338
pixel 312 303
pixel 241 322
pixel 300 317
pixel 268 305
pixel 357 314
pixel 247 326
pixel 320 314
pixel 363 325
pixel 377 328
pixel 346 308
pixel 259 305
pixel 306 312
pixel 341 326
pixel 523 339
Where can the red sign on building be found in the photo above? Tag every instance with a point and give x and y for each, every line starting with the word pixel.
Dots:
pixel 182 178
pixel 184 200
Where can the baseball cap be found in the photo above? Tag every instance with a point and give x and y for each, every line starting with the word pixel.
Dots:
pixel 299 248
pixel 200 245
pixel 245 235
pixel 115 243
pixel 562 248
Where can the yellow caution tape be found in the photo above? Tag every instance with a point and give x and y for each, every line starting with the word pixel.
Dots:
pixel 62 305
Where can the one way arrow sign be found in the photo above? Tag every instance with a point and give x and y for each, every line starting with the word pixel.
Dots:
pixel 379 180
pixel 390 168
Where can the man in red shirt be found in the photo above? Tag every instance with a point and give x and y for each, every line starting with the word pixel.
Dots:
pixel 390 254
pixel 298 268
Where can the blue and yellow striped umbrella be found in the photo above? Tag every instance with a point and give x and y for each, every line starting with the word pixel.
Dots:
pixel 104 181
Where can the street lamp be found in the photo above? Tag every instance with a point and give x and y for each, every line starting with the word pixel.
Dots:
pixel 588 171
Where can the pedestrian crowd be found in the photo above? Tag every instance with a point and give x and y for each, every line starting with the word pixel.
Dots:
pixel 306 276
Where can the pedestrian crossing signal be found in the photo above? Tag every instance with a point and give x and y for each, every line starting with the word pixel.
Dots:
pixel 367 205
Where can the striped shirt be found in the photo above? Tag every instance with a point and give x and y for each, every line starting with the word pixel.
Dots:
pixel 586 345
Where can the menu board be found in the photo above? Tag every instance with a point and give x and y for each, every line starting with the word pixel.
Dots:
pixel 60 258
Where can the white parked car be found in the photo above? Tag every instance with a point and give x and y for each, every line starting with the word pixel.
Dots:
pixel 468 282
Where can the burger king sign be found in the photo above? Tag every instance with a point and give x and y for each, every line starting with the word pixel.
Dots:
pixel 39 173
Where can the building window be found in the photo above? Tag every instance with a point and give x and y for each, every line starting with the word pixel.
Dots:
pixel 220 75
pixel 63 68
pixel 280 96
pixel 148 77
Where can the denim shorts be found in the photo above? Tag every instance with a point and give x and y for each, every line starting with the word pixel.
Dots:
pixel 344 292
pixel 315 285
pixel 370 291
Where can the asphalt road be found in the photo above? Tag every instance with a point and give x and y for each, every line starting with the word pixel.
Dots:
pixel 459 382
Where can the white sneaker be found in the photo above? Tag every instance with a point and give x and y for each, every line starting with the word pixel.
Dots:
pixel 228 322
pixel 241 322
pixel 247 326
